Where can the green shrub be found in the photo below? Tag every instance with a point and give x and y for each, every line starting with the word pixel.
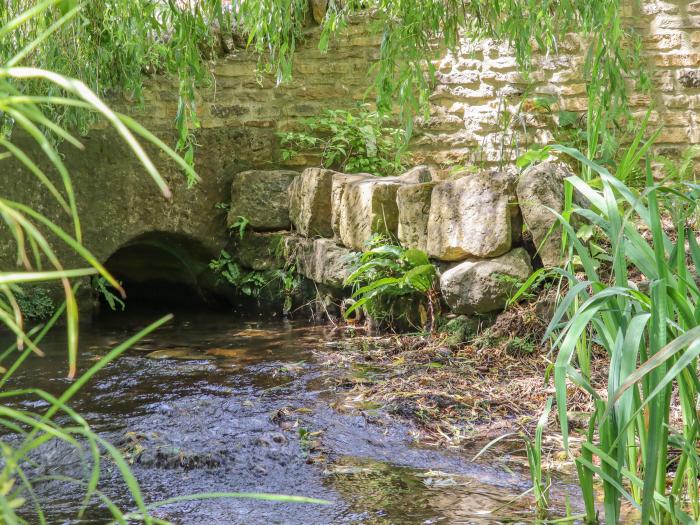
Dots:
pixel 105 290
pixel 281 283
pixel 249 283
pixel 35 303
pixel 354 142
pixel 394 284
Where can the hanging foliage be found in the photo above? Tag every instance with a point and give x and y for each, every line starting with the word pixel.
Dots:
pixel 114 44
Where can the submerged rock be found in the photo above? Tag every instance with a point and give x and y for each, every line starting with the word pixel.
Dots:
pixel 472 217
pixel 253 332
pixel 229 352
pixel 185 354
pixel 540 192
pixel 150 449
pixel 310 202
pixel 484 285
pixel 261 197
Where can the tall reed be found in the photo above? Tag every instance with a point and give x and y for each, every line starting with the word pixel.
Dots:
pixel 642 306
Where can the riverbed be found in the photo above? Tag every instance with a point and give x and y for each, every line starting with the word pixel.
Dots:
pixel 214 403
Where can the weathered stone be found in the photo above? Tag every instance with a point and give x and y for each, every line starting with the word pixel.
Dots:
pixel 540 192
pixel 320 260
pixel 472 216
pixel 261 197
pixel 318 9
pixel 340 181
pixel 484 285
pixel 368 207
pixel 413 201
pixel 310 202
pixel 416 175
pixel 260 251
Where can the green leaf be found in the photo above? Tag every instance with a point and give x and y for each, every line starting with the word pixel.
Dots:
pixel 415 257
pixel 533 156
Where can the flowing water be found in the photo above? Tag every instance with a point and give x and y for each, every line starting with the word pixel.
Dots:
pixel 244 406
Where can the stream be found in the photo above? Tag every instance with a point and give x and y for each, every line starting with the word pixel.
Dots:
pixel 244 405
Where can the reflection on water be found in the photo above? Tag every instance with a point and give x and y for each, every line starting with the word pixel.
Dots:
pixel 210 403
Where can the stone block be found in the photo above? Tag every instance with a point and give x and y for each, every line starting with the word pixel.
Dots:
pixel 261 197
pixel 472 217
pixel 320 260
pixel 416 175
pixel 540 192
pixel 318 9
pixel 413 202
pixel 479 286
pixel 368 207
pixel 340 181
pixel 260 250
pixel 310 202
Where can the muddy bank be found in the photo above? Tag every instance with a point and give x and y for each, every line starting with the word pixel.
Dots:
pixel 462 390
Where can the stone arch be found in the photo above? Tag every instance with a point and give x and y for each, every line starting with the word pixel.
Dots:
pixel 165 270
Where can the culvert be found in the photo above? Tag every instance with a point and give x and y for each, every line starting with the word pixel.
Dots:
pixel 164 271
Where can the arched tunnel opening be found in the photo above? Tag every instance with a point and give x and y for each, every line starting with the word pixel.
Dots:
pixel 163 272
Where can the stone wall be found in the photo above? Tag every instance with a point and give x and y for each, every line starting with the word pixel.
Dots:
pixel 241 113
pixel 470 226
pixel 480 93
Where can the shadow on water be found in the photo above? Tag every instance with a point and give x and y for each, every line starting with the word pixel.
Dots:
pixel 215 403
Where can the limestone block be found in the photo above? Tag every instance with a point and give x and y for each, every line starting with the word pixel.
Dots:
pixel 320 260
pixel 416 175
pixel 413 201
pixel 261 197
pixel 310 202
pixel 368 207
pixel 260 250
pixel 472 216
pixel 484 285
pixel 540 192
pixel 340 181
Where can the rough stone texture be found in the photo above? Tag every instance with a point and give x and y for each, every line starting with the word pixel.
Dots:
pixel 413 201
pixel 262 198
pixel 260 251
pixel 135 208
pixel 541 189
pixel 416 175
pixel 476 286
pixel 318 9
pixel 475 85
pixel 241 117
pixel 472 216
pixel 310 202
pixel 368 207
pixel 340 181
pixel 320 260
